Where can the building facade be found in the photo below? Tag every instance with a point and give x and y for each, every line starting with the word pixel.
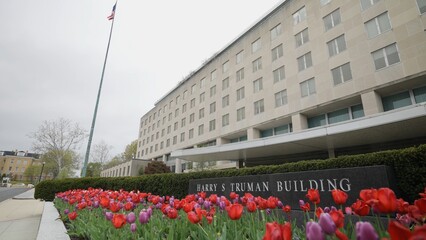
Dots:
pixel 129 168
pixel 310 79
pixel 14 163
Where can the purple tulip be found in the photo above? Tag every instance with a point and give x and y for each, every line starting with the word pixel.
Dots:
pixel 314 231
pixel 109 215
pixel 365 231
pixel 149 211
pixel 327 224
pixel 268 211
pixel 95 204
pixel 348 210
pixel 280 204
pixel 301 202
pixel 66 211
pixel 207 204
pixel 200 201
pixel 222 205
pixel 133 227
pixel 131 217
pixel 327 210
pixel 143 217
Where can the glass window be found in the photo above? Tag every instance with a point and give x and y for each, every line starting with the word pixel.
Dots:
pixel 239 57
pixel 192 103
pixel 420 94
pixel 225 67
pixel 307 87
pixel 386 56
pixel 225 101
pixel 299 16
pixel 183 122
pixel 193 88
pixel 336 45
pixel 202 97
pixel 396 101
pixel 341 74
pixel 302 37
pixel 257 85
pixel 357 111
pixel 182 137
pixel 368 3
pixel 324 2
pixel 191 133
pixel 422 6
pixel 282 129
pixel 257 64
pixel 201 129
pixel 240 74
pixel 256 45
pixel 378 25
pixel 184 108
pixel 338 116
pixel 225 83
pixel 185 93
pixel 240 93
pixel 277 52
pixel 259 107
pixel 241 114
pixel 267 133
pixel 212 125
pixel 175 126
pixel 213 75
pixel 212 107
pixel 317 121
pixel 213 91
pixel 192 117
pixel 281 98
pixel 201 113
pixel 332 20
pixel 202 83
pixel 304 61
pixel 225 120
pixel 276 31
pixel 279 74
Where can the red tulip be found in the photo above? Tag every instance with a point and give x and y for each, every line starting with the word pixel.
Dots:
pixel 202 195
pixel 339 196
pixel 421 204
pixel 386 200
pixel 275 231
pixel 338 218
pixel 251 206
pixel 104 201
pixel 272 202
pixel 128 206
pixel 402 206
pixel 193 217
pixel 313 195
pixel 286 208
pixel 233 195
pixel 360 208
pixel 72 215
pixel 305 207
pixel 172 213
pixel 398 231
pixel 114 207
pixel 235 211
pixel 340 235
pixel 369 196
pixel 118 220
pixel 213 198
pixel 318 212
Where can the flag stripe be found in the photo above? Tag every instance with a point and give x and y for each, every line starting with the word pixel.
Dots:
pixel 110 17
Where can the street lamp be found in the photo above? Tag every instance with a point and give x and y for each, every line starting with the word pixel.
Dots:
pixel 42 166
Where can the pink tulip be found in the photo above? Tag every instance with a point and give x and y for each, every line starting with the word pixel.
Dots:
pixel 314 231
pixel 365 231
pixel 131 217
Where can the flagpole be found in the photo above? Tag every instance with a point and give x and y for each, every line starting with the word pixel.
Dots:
pixel 86 158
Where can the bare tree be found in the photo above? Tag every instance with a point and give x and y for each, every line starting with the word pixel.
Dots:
pixel 100 152
pixel 58 139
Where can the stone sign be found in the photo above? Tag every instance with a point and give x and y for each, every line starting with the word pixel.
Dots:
pixel 293 186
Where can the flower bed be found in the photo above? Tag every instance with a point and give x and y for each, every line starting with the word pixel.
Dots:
pixel 105 214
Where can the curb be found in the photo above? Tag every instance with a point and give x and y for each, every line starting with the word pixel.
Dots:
pixel 51 226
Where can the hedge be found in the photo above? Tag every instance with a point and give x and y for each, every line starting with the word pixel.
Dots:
pixel 409 166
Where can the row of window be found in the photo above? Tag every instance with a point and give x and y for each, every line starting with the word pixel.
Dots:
pixel 118 172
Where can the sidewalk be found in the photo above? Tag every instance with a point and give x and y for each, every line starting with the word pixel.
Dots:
pixel 25 218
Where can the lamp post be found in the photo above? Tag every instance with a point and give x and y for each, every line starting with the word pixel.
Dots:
pixel 42 166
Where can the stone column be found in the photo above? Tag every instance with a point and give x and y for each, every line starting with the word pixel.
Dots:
pixel 372 103
pixel 253 133
pixel 178 168
pixel 299 122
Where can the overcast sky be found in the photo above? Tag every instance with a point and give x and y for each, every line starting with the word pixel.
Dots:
pixel 52 52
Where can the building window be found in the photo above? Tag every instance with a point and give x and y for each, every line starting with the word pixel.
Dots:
pixel 259 107
pixel 174 140
pixel 396 101
pixel 277 52
pixel 422 6
pixel 213 75
pixel 175 127
pixel 177 102
pixel 185 93
pixel 337 116
pixel 331 20
pixel 368 3
pixel 240 74
pixel 341 74
pixel 202 97
pixel 191 118
pixel 202 83
pixel 183 122
pixel 201 113
pixel 281 98
pixel 163 132
pixel 276 131
pixel 168 142
pixel 239 57
pixel 191 133
pixel 238 139
pixel 184 108
pixel 257 64
pixel 176 113
pixel 212 107
pixel 213 91
pixel 279 74
pixel 212 125
pixel 169 129
pixel 336 45
pixel 192 103
pixel 193 88
pixel 241 114
pixel 225 101
pixel 385 57
pixel 304 61
pixel 201 129
pixel 225 67
pixel 240 93
pixel 225 83
pixel 182 137
pixel 302 37
pixel 307 87
pixel 420 94
pixel 225 120
pixel 299 16
pixel 256 45
pixel 378 25
pixel 257 85
pixel 170 118
pixel 324 2
pixel 276 31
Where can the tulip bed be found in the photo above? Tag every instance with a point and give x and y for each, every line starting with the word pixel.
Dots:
pixel 105 214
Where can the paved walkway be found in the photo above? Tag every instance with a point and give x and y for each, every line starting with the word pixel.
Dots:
pixel 25 218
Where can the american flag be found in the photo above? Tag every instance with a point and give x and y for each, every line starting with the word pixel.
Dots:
pixel 110 17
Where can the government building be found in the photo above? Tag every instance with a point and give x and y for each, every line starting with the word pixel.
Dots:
pixel 311 79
